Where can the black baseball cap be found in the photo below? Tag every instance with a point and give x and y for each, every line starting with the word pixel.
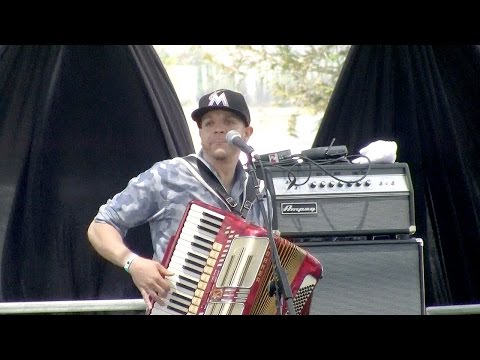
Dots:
pixel 223 99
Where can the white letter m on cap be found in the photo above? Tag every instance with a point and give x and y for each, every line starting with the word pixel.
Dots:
pixel 216 99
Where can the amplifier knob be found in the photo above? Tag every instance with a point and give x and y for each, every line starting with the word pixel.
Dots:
pixel 331 184
pixel 359 183
pixel 322 184
pixel 340 184
pixel 368 183
pixel 313 184
pixel 349 184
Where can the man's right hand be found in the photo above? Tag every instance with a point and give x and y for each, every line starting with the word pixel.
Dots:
pixel 149 277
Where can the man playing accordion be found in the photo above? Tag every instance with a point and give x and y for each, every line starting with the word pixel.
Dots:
pixel 162 194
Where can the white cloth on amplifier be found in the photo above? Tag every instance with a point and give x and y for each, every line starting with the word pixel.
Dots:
pixel 379 152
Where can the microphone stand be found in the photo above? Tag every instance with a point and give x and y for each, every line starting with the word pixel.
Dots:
pixel 280 285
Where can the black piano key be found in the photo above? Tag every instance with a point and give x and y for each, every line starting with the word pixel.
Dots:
pixel 201 247
pixel 189 239
pixel 191 269
pixel 181 269
pixel 210 223
pixel 200 227
pixel 194 228
pixel 177 310
pixel 200 238
pixel 212 216
pixel 181 296
pixel 196 256
pixel 187 280
pixel 179 304
pixel 184 246
pixel 185 262
pixel 193 262
pixel 187 287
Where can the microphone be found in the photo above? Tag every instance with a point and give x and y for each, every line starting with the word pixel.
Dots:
pixel 325 152
pixel 234 138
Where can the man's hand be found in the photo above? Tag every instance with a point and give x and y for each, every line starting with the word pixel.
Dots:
pixel 149 277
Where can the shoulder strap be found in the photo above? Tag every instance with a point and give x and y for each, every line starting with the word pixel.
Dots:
pixel 197 167
pixel 249 196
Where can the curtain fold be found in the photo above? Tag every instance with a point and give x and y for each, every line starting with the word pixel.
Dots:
pixel 76 123
pixel 426 99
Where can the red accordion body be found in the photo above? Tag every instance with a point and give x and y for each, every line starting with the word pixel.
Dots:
pixel 223 266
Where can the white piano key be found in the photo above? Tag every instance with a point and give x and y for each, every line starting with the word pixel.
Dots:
pixel 199 209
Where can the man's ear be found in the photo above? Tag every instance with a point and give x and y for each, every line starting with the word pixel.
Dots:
pixel 248 132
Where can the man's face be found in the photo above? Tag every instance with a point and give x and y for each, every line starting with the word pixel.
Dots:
pixel 214 126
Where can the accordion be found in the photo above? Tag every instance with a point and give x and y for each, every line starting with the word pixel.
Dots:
pixel 223 266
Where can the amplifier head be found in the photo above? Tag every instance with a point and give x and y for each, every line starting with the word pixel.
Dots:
pixel 342 199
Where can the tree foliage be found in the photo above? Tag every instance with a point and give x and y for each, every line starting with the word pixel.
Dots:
pixel 302 76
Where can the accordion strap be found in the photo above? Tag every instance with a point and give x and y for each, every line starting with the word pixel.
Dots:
pixel 199 168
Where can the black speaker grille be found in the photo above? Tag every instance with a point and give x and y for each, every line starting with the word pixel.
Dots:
pixel 369 278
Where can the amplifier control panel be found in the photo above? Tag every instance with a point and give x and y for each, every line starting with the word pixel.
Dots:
pixel 317 185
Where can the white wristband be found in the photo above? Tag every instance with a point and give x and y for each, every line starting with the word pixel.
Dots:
pixel 130 259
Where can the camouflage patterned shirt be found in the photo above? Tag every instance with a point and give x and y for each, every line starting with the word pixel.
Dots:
pixel 160 196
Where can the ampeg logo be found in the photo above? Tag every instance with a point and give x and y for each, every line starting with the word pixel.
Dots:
pixel 299 208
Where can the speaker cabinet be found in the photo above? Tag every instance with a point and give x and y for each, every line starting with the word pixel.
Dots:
pixel 369 277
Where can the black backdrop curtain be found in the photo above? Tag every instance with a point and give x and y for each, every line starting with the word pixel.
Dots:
pixel 426 98
pixel 76 123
